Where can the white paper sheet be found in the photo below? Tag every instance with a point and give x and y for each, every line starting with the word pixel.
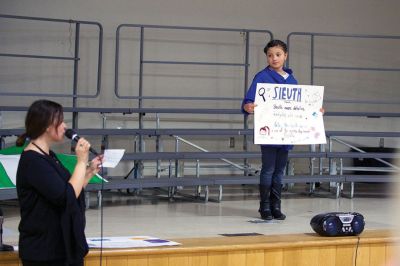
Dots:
pixel 128 242
pixel 112 157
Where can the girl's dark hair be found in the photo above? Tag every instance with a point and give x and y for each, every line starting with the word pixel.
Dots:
pixel 274 43
pixel 41 114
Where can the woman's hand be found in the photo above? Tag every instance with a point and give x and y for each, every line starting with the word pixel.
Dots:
pixel 95 165
pixel 82 150
pixel 93 168
pixel 78 177
pixel 322 110
pixel 249 107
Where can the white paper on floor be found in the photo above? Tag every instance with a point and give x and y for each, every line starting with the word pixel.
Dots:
pixel 128 242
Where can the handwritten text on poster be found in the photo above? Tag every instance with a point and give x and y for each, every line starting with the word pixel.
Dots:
pixel 288 114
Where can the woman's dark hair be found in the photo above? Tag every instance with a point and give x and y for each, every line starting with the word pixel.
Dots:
pixel 41 114
pixel 274 43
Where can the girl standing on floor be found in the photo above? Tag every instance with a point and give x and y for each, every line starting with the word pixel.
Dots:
pixel 274 157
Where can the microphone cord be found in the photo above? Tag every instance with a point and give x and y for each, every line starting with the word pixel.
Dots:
pixel 101 214
pixel 99 202
pixel 356 251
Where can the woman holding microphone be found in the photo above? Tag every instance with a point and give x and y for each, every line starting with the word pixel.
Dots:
pixel 51 199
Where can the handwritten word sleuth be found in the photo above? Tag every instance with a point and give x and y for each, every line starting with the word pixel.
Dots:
pixel 290 94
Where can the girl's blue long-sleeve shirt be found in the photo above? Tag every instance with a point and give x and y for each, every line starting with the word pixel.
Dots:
pixel 268 75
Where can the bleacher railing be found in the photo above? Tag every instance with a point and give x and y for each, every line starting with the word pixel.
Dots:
pixel 142 61
pixel 75 58
pixel 313 36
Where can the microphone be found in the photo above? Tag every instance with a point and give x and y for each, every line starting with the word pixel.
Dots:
pixel 3 247
pixel 71 134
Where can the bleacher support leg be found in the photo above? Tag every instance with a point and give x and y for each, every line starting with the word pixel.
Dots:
pixel 312 188
pixel 220 193
pixel 206 194
pixel 198 176
pixel 87 199
pixel 338 189
pixel 99 198
pixel 170 192
pixel 290 171
pixel 351 190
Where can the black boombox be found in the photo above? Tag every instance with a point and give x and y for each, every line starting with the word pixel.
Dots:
pixel 338 223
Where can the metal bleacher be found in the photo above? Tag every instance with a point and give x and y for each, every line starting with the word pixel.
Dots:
pixel 244 173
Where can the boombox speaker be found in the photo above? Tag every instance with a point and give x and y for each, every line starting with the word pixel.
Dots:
pixel 338 223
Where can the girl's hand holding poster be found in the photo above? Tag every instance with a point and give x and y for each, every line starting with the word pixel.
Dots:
pixel 288 114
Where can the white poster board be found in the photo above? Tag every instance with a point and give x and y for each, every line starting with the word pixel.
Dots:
pixel 288 114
